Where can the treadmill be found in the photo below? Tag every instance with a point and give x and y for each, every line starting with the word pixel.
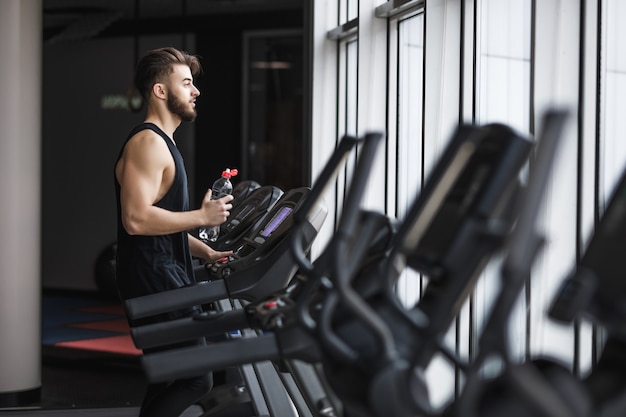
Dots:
pixel 266 256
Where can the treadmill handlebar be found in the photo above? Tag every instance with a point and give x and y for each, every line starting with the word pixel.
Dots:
pixel 327 174
pixel 323 181
pixel 193 361
pixel 180 298
pixel 208 323
pixel 352 205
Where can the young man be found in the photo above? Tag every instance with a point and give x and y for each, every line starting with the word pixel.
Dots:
pixel 155 250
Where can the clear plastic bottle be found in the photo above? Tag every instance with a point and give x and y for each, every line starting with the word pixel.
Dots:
pixel 221 187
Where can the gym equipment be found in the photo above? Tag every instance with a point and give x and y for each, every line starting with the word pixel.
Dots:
pixel 596 288
pixel 256 389
pixel 242 190
pixel 595 291
pixel 267 249
pixel 269 234
pixel 214 323
pixel 277 222
pixel 357 341
pixel 460 219
pixel 245 217
pixel 540 387
pixel 193 295
pixel 546 387
pixel 308 380
pixel 310 210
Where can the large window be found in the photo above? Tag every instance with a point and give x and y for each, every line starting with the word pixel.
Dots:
pixel 502 95
pixel 503 63
pixel 486 61
pixel 613 102
pixel 405 156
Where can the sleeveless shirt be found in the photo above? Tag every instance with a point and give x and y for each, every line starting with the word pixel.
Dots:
pixel 151 264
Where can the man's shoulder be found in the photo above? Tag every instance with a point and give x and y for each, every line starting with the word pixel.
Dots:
pixel 147 144
pixel 146 137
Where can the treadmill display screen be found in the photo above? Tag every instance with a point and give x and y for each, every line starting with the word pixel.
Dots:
pixel 276 221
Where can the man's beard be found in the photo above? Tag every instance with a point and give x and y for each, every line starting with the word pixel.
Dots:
pixel 176 106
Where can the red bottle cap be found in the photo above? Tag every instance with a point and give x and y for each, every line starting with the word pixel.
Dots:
pixel 227 173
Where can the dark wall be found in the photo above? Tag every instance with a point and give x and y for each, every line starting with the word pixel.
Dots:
pixel 218 126
pixel 80 142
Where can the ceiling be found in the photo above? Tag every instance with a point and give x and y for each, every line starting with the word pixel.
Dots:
pixel 79 19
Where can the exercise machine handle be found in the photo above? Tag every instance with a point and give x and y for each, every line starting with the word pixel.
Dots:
pixel 208 323
pixel 342 275
pixel 328 173
pixel 192 361
pixel 525 242
pixel 200 293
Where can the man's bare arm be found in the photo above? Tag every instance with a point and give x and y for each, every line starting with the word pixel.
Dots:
pixel 145 173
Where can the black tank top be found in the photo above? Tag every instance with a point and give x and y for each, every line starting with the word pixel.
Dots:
pixel 151 264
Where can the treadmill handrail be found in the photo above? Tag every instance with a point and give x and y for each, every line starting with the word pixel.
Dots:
pixel 163 302
pixel 208 323
pixel 181 363
pixel 328 173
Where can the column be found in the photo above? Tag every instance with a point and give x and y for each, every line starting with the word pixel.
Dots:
pixel 20 208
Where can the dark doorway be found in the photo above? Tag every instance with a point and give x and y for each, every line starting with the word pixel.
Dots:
pixel 272 140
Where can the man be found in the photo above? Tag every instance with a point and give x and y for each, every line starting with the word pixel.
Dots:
pixel 155 250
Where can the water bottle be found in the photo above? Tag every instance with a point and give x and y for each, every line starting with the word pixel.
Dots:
pixel 221 187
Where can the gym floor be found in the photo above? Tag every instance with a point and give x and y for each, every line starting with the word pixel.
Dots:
pixel 89 365
pixel 77 380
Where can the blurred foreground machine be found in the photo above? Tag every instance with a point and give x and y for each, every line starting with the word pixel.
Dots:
pixel 341 312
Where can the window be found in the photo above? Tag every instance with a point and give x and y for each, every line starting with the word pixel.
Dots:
pixel 486 61
pixel 613 101
pixel 502 95
pixel 407 145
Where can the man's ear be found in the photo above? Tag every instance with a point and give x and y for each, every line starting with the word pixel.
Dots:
pixel 159 90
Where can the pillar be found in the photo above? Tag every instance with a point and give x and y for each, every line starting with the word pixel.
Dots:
pixel 20 207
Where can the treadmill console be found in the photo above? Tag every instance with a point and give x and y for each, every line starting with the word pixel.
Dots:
pixel 265 236
pixel 246 217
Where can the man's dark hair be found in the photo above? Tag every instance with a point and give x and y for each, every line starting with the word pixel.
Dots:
pixel 157 64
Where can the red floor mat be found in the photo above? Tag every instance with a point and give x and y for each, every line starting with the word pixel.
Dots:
pixel 86 323
pixel 122 345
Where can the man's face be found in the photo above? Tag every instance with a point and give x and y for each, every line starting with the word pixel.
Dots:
pixel 181 99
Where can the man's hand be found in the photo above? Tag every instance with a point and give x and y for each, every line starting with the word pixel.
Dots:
pixel 216 211
pixel 201 250
pixel 213 255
